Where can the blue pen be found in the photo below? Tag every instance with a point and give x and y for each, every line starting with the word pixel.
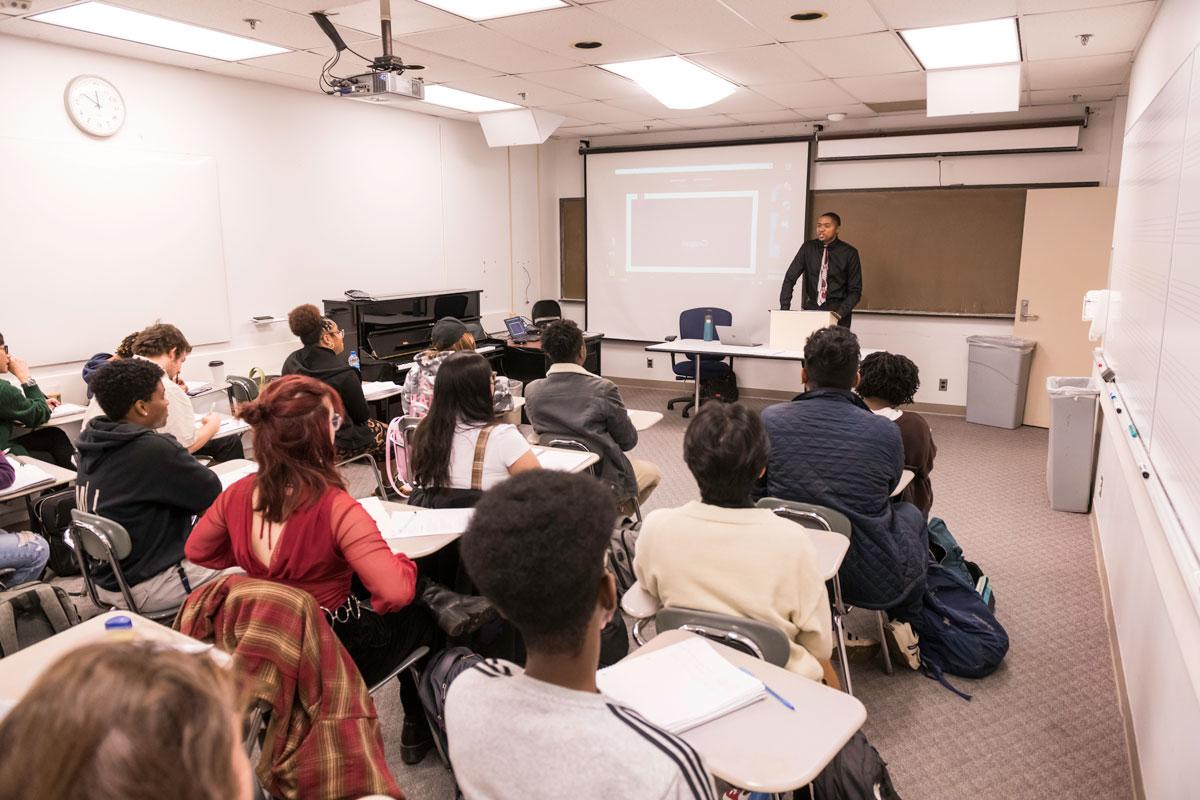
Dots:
pixel 770 691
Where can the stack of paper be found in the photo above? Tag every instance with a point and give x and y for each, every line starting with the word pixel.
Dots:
pixel 426 522
pixel 65 410
pixel 230 478
pixel 681 686
pixel 27 475
pixel 379 387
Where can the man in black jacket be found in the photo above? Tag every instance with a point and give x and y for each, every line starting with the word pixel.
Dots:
pixel 145 481
pixel 831 271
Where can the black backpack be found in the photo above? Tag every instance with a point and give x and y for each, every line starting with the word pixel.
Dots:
pixel 51 519
pixel 856 773
pixel 723 387
pixel 32 612
pixel 439 673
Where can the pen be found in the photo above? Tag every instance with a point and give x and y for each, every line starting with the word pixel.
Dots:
pixel 770 691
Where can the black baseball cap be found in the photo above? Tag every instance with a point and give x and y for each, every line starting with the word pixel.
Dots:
pixel 446 332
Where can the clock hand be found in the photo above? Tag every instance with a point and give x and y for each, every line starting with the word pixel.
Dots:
pixel 95 98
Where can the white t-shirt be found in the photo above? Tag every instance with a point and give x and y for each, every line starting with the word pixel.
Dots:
pixel 504 446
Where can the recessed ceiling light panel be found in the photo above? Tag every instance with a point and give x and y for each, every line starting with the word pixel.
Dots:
pixel 479 10
pixel 675 82
pixel 134 26
pixel 973 44
pixel 464 101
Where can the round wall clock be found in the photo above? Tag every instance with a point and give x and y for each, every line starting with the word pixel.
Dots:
pixel 95 105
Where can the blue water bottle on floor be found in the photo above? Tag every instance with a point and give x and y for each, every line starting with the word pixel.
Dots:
pixel 353 359
pixel 708 328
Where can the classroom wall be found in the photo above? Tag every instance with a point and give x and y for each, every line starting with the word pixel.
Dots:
pixel 1156 623
pixel 317 194
pixel 937 344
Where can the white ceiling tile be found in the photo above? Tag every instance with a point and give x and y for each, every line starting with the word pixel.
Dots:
pixel 284 28
pixel 1046 6
pixel 886 88
pixel 586 130
pixel 769 117
pixel 1115 29
pixel 805 94
pixel 590 82
pixel 1091 94
pixel 927 13
pixel 485 47
pixel 438 68
pixel 299 62
pixel 870 54
pixel 770 63
pixel 408 16
pixel 685 26
pixel 846 18
pixel 649 126
pixel 556 31
pixel 1072 73
pixel 598 112
pixel 509 88
pixel 715 121
pixel 850 110
pixel 742 101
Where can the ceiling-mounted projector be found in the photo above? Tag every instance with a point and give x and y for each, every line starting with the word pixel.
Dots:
pixel 383 87
pixel 385 83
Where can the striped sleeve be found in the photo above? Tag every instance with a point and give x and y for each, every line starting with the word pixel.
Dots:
pixel 695 778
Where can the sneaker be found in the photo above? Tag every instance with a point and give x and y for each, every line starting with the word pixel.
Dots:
pixel 903 644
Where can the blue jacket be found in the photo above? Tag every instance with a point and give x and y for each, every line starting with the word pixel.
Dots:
pixel 828 448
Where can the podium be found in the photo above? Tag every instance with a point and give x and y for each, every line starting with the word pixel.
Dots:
pixel 791 329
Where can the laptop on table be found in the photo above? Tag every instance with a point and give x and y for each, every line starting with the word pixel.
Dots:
pixel 736 335
pixel 517 331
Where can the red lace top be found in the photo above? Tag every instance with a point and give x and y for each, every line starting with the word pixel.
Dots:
pixel 320 548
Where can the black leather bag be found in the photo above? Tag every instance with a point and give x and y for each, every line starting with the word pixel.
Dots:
pixel 51 519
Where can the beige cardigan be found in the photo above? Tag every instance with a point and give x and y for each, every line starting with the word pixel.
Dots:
pixel 742 561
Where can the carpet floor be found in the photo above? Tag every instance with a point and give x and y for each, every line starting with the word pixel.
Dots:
pixel 1047 724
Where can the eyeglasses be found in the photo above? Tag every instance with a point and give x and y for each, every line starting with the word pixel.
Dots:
pixel 335 420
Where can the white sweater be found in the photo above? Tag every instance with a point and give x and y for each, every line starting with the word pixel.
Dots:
pixel 742 561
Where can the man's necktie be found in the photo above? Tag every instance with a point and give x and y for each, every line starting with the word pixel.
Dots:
pixel 823 283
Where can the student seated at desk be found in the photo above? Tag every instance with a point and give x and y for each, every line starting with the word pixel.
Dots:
pixel 721 554
pixel 888 382
pixel 828 448
pixel 572 401
pixel 124 350
pixel 537 547
pixel 449 335
pixel 293 522
pixel 26 404
pixel 323 340
pixel 146 482
pixel 127 721
pixel 459 446
pixel 26 553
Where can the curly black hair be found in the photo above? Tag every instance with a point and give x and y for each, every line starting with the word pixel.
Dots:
pixel 889 377
pixel 562 341
pixel 121 382
pixel 831 358
pixel 726 449
pixel 535 547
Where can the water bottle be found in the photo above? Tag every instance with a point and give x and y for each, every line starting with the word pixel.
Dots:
pixel 353 360
pixel 708 328
pixel 119 629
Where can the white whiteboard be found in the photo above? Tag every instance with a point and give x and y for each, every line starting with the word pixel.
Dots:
pixel 98 241
pixel 1153 340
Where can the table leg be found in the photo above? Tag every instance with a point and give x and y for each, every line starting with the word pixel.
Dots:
pixel 697 383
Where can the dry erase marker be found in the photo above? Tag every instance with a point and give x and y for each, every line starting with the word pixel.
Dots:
pixel 770 691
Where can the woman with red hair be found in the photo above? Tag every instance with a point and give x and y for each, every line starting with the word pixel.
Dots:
pixel 293 522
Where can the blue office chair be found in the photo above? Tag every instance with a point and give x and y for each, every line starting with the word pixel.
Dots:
pixel 691 326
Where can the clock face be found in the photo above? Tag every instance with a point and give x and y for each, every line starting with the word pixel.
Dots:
pixel 95 105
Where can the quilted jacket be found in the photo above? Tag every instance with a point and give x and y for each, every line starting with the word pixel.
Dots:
pixel 828 448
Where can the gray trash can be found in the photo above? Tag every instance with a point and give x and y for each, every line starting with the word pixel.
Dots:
pixel 997 379
pixel 1072 453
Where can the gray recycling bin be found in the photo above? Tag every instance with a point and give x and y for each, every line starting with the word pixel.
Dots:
pixel 1072 453
pixel 997 379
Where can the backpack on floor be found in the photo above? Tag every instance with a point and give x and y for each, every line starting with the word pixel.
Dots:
pixel 439 673
pixel 32 612
pixel 958 633
pixel 51 519
pixel 947 552
pixel 856 773
pixel 621 550
pixel 722 387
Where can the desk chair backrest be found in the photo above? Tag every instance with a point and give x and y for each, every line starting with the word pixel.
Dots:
pixel 571 442
pixel 545 311
pixel 747 635
pixel 103 540
pixel 809 515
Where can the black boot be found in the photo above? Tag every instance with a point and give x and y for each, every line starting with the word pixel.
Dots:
pixel 415 740
pixel 456 614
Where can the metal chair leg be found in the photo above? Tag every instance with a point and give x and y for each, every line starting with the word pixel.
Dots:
pixel 887 656
pixel 839 624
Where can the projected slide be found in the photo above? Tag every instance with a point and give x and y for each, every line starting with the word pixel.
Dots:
pixel 676 229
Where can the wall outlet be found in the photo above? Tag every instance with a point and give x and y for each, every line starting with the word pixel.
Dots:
pixel 943 384
pixel 649 363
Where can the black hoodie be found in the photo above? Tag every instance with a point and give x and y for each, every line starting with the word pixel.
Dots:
pixel 148 483
pixel 324 365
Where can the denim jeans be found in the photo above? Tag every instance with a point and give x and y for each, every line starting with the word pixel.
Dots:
pixel 27 553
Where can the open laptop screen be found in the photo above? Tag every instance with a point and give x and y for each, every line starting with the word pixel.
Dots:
pixel 516 326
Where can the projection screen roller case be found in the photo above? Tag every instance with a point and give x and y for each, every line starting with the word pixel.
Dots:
pixel 669 230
